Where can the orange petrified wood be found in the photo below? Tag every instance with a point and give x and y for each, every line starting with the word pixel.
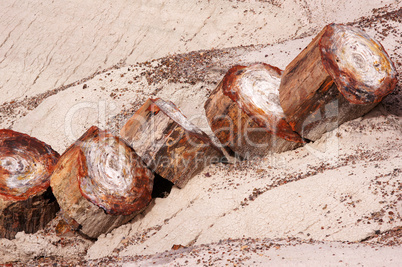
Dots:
pixel 245 115
pixel 101 183
pixel 26 201
pixel 168 142
pixel 341 75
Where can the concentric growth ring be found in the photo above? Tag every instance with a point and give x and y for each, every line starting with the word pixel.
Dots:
pixel 25 165
pixel 358 64
pixel 116 179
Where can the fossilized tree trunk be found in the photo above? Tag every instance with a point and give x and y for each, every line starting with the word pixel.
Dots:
pixel 101 183
pixel 168 142
pixel 26 201
pixel 341 75
pixel 245 114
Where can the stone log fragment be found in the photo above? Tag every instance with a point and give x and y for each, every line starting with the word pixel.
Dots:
pixel 26 200
pixel 100 183
pixel 341 75
pixel 168 142
pixel 245 115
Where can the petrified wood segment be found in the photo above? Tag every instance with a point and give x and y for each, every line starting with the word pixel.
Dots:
pixel 26 201
pixel 245 114
pixel 101 183
pixel 341 75
pixel 168 142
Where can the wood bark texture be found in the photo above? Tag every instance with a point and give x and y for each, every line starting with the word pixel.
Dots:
pixel 341 75
pixel 245 115
pixel 26 201
pixel 168 142
pixel 100 183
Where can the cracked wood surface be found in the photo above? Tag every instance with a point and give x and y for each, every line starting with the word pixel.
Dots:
pixel 168 143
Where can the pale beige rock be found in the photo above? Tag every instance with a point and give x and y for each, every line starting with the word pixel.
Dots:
pixel 201 210
pixel 57 44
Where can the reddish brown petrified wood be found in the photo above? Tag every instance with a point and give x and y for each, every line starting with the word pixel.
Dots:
pixel 26 201
pixel 245 114
pixel 168 142
pixel 101 183
pixel 341 75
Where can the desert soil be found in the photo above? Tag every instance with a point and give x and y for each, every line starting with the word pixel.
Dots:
pixel 337 201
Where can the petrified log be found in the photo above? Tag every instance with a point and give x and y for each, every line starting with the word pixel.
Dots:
pixel 341 75
pixel 26 201
pixel 168 142
pixel 101 183
pixel 245 115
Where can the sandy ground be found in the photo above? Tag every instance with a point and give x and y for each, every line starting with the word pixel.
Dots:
pixel 337 201
pixel 253 252
pixel 44 46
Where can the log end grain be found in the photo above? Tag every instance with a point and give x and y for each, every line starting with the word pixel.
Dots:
pixel 245 114
pixel 116 179
pixel 341 75
pixel 25 165
pixel 26 201
pixel 358 64
pixel 255 89
pixel 100 183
